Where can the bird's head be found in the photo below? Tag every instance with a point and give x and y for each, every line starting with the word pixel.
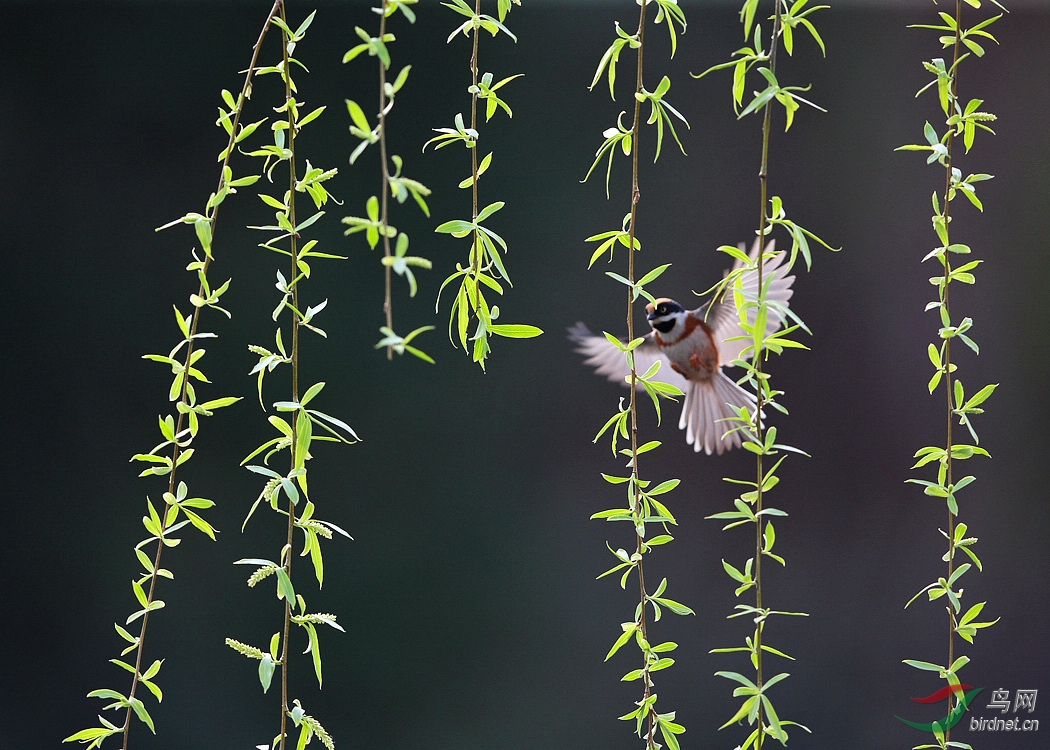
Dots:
pixel 664 314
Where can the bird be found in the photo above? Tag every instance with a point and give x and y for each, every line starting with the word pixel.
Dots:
pixel 698 344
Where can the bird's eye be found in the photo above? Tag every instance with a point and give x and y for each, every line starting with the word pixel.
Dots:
pixel 662 310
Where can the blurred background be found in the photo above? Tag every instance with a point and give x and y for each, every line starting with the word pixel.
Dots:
pixel 469 598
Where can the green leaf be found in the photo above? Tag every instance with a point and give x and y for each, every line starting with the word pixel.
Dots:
pixel 110 694
pixel 629 629
pixel 284 586
pixel 358 115
pixel 154 668
pixel 310 394
pixel 663 487
pixel 516 331
pixel 315 650
pixel 266 670
pixel 141 712
pixel 923 665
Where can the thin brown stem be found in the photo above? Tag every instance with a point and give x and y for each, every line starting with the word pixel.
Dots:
pixel 759 355
pixel 636 196
pixel 477 249
pixel 287 561
pixel 190 349
pixel 948 342
pixel 388 307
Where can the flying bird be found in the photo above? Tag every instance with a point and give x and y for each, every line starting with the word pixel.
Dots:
pixel 697 344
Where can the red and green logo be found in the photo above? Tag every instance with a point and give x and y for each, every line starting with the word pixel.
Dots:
pixel 954 716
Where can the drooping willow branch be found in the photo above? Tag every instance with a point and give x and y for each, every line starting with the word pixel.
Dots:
pixel 643 506
pixel 178 432
pixel 485 270
pixel 376 224
pixel 758 310
pixel 303 427
pixel 961 120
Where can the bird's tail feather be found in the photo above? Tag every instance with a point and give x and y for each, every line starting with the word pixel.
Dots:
pixel 706 403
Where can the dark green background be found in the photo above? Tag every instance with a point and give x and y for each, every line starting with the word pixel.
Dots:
pixel 473 619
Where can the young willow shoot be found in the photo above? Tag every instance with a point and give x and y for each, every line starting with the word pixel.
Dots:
pixel 485 268
pixel 376 223
pixel 177 436
pixel 643 506
pixel 962 120
pixel 287 493
pixel 762 340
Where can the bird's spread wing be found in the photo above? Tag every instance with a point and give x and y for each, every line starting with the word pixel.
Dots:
pixel 723 317
pixel 607 360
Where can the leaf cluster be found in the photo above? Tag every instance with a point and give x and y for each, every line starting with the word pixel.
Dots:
pixel 786 20
pixel 483 21
pixel 485 271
